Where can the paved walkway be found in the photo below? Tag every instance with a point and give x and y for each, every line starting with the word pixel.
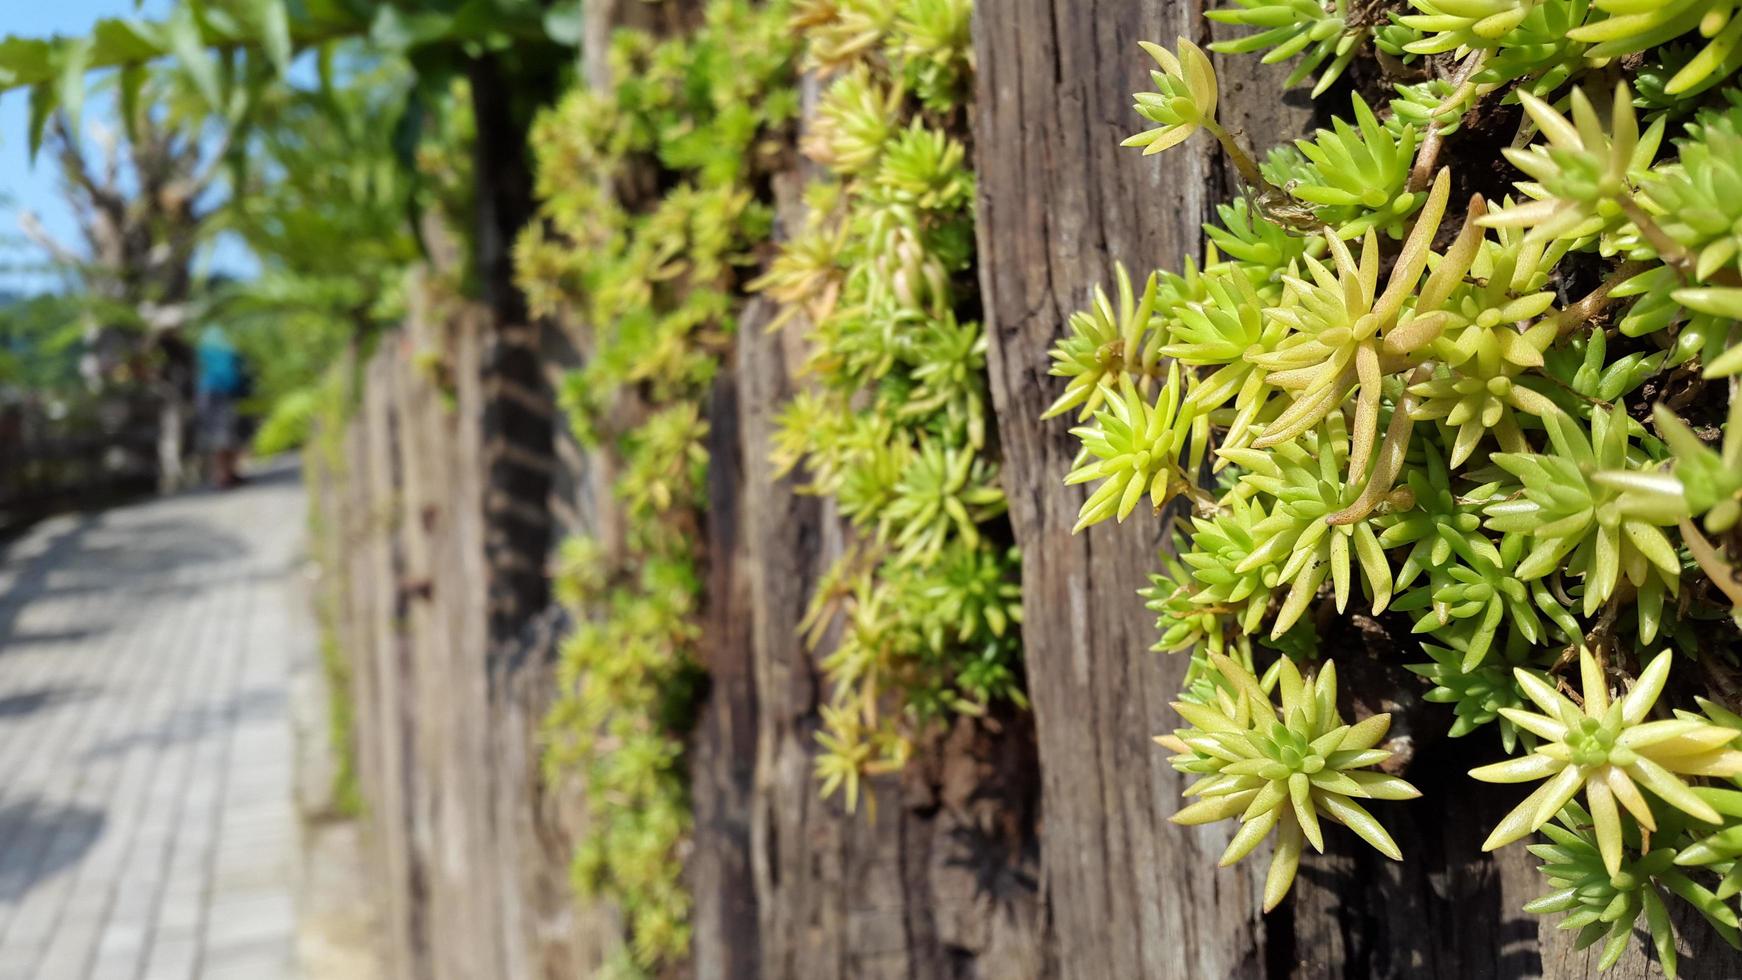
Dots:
pixel 147 828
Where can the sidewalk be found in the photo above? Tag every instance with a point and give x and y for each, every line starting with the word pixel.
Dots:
pixel 147 828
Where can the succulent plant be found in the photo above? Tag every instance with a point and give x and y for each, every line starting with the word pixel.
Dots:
pixel 1711 480
pixel 1605 903
pixel 894 427
pixel 945 492
pixel 1254 244
pixel 1184 100
pixel 1281 769
pixel 1182 620
pixel 1104 344
pixel 657 287
pixel 1591 512
pixel 1633 26
pixel 1136 449
pixel 1463 26
pixel 1217 556
pixel 1477 694
pixel 1448 417
pixel 1322 34
pixel 1340 325
pixel 1608 749
pixel 1584 172
pixel 1218 331
pixel 1484 350
pixel 1359 178
pixel 1306 481
pixel 1468 598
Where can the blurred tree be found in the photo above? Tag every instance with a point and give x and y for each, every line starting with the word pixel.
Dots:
pixel 511 52
pixel 39 343
pixel 144 199
pixel 326 210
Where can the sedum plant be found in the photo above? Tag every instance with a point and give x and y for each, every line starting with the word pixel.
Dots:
pixel 1585 509
pixel 1280 768
pixel 1606 749
pixel 1136 450
pixel 1605 904
pixel 649 284
pixel 918 623
pixel 1495 432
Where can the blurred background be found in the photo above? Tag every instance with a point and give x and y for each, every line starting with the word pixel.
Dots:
pixel 211 213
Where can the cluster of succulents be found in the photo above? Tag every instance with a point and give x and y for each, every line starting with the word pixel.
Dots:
pixel 1494 430
pixel 650 277
pixel 892 423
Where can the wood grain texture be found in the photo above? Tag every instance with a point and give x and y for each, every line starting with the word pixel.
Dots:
pixel 723 745
pixel 467 841
pixel 1131 895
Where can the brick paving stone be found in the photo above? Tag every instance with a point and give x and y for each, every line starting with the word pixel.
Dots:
pixel 147 827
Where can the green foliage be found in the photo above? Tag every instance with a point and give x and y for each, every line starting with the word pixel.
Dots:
pixel 324 210
pixel 1102 342
pixel 1135 449
pixel 1711 480
pixel 40 338
pixel 288 424
pixel 652 281
pixel 1304 482
pixel 1586 509
pixel 627 681
pixel 1184 99
pixel 1478 694
pixel 1322 34
pixel 1358 176
pixel 1439 427
pixel 893 426
pixel 232 51
pixel 1604 903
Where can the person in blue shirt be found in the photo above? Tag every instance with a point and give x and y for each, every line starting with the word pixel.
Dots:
pixel 221 383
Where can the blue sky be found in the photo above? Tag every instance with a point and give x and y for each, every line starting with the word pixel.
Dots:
pixel 36 188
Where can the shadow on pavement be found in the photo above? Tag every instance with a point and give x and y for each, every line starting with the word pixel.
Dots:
pixel 30 702
pixel 126 562
pixel 37 841
pixel 200 721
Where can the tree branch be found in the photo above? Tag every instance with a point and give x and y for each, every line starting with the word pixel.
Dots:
pixel 33 229
pixel 104 196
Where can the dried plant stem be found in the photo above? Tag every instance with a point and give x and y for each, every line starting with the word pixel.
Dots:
pixel 1428 154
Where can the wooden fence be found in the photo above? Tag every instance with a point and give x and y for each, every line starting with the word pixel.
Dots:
pixel 85 452
pixel 1031 846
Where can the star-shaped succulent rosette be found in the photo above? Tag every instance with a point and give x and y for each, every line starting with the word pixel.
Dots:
pixel 1281 769
pixel 1609 750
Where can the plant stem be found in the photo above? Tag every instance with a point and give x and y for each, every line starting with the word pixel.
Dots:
pixel 1668 249
pixel 1593 302
pixel 1242 160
